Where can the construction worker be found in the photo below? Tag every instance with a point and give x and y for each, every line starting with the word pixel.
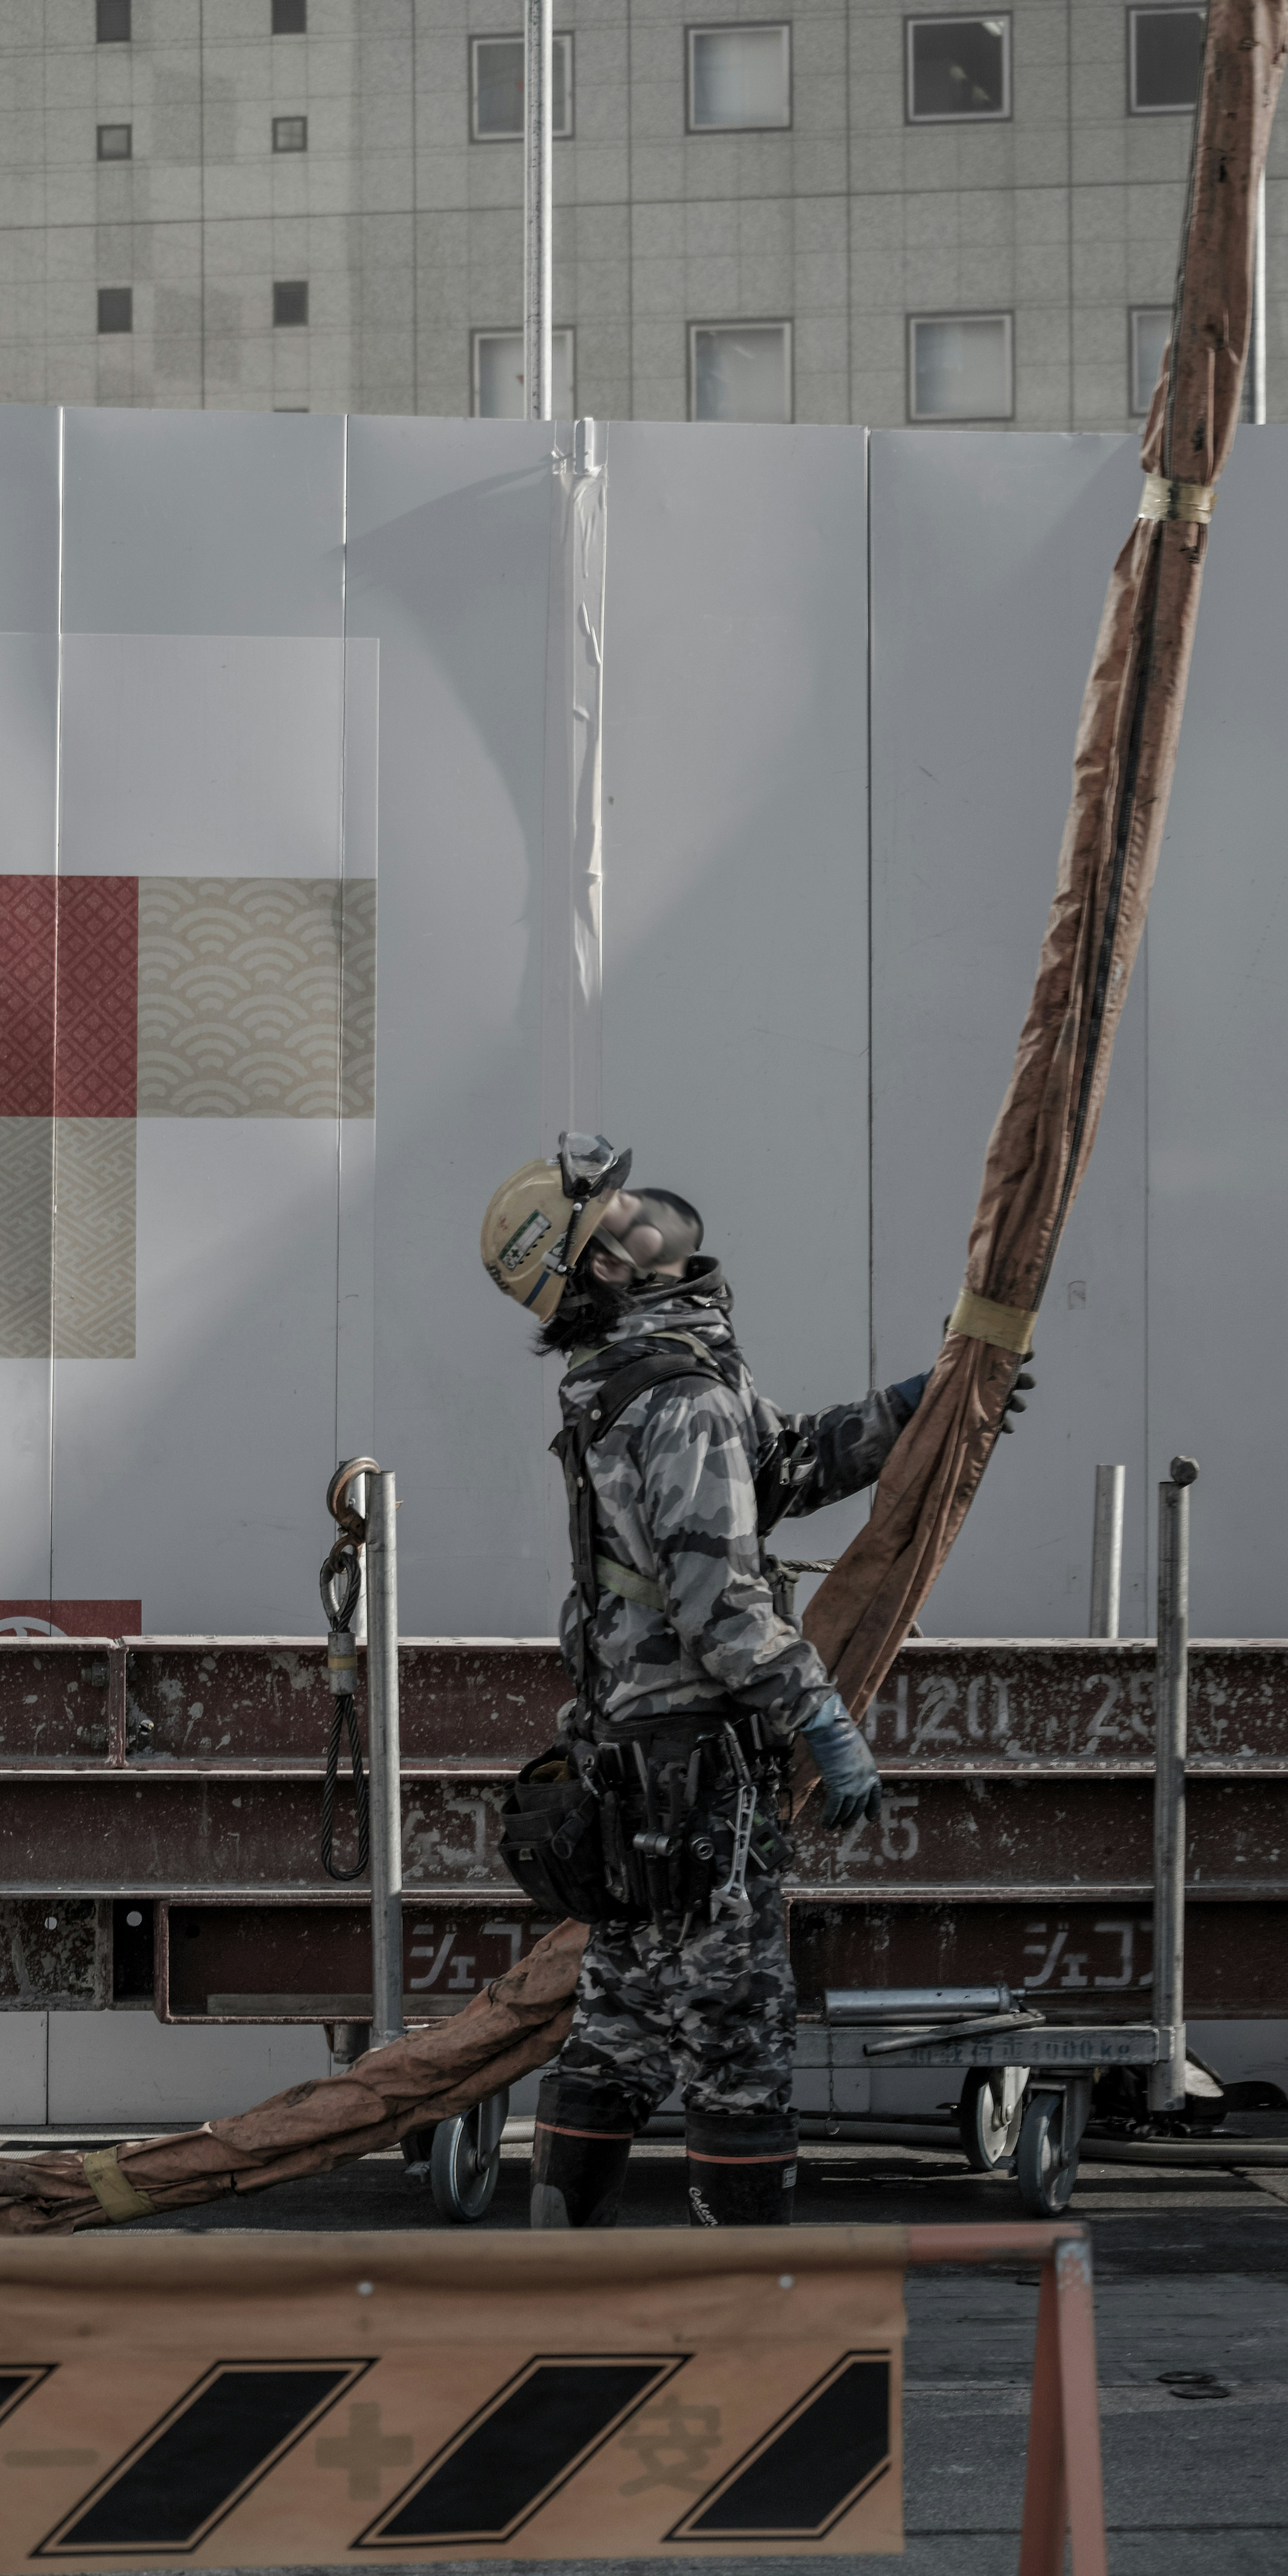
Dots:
pixel 662 1805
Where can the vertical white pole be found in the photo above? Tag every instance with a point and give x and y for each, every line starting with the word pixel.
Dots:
pixel 1259 310
pixel 384 1762
pixel 1107 1551
pixel 1171 1688
pixel 538 77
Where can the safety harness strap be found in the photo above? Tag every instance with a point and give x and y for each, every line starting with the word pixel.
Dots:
pixel 629 1586
pixel 571 1446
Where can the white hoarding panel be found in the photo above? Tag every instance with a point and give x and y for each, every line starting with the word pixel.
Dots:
pixel 990 557
pixel 200 1197
pixel 449 550
pixel 203 523
pixel 1218 1090
pixel 735 878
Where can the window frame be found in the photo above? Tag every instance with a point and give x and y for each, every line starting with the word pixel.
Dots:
pixel 1155 9
pixel 1136 313
pixel 513 331
pixel 737 27
pixel 114 330
pixel 501 36
pixel 289 151
pixel 1003 115
pixel 306 318
pixel 747 322
pixel 114 160
pixel 986 419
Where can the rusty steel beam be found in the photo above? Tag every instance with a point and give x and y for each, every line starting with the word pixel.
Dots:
pixel 178 1782
pixel 185 1827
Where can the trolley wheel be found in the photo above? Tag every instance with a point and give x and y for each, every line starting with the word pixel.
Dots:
pixel 989 2115
pixel 1045 2174
pixel 462 2174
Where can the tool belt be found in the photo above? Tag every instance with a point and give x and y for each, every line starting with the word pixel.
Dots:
pixel 641 1829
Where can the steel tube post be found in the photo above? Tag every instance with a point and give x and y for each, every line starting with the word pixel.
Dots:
pixel 1167 2080
pixel 538 77
pixel 384 1762
pixel 1107 1551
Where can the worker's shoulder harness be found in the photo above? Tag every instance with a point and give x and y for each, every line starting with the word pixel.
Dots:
pixel 618 1386
pixel 648 1824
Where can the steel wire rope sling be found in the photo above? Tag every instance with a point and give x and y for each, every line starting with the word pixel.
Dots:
pixel 340 1584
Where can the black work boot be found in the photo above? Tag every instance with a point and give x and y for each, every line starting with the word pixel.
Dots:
pixel 742 2168
pixel 579 2150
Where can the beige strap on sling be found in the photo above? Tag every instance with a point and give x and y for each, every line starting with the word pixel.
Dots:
pixel 110 2187
pixel 1007 1328
pixel 1191 502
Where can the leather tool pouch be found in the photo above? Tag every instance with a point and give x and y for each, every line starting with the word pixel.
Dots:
pixel 551 1841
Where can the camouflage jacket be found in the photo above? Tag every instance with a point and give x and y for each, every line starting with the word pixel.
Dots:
pixel 676 1506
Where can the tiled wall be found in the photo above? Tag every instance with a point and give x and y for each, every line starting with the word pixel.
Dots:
pixel 409 235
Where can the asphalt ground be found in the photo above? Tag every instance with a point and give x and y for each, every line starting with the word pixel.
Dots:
pixel 1191 2273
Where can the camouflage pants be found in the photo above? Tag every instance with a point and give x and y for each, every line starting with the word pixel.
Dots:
pixel 716 2017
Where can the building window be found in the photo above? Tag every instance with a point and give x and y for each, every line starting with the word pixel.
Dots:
pixel 739 78
pixel 112 22
pixel 740 371
pixel 116 142
pixel 958 67
pixel 290 134
pixel 116 308
pixel 959 366
pixel 290 303
pixel 1164 59
pixel 498 375
pixel 496 88
pixel 290 17
pixel 1151 326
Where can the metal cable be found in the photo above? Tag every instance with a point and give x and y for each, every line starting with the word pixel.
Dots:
pixel 343 1565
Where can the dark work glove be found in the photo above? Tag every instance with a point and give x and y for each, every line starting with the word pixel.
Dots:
pixel 911 1389
pixel 1015 1401
pixel 848 1771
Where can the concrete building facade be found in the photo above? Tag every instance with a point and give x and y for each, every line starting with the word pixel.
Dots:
pixel 849 211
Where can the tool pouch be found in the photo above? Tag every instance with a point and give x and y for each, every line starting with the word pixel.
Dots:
pixel 552 1844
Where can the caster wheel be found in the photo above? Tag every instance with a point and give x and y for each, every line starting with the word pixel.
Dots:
pixel 989 2115
pixel 1046 2177
pixel 465 2162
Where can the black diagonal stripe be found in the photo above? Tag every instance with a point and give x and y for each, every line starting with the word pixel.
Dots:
pixel 812 2466
pixel 17 2384
pixel 520 2448
pixel 190 2469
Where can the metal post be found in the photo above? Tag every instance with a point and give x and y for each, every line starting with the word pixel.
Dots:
pixel 538 77
pixel 1259 310
pixel 384 1763
pixel 1107 1551
pixel 1167 2080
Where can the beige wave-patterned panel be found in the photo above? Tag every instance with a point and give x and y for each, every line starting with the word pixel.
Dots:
pixel 257 997
pixel 26 1236
pixel 70 1281
pixel 94 1238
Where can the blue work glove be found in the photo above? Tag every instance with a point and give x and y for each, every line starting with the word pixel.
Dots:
pixel 911 1389
pixel 848 1771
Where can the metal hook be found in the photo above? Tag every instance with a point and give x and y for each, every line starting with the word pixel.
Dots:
pixel 337 1503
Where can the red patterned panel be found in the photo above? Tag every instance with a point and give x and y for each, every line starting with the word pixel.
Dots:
pixel 71 1618
pixel 27 997
pixel 86 1070
pixel 96 1052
